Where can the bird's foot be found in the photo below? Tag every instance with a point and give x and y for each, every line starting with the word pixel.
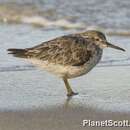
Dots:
pixel 72 94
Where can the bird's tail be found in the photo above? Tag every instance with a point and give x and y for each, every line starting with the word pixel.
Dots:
pixel 18 52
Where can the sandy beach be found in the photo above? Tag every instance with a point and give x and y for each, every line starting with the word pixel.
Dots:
pixel 37 104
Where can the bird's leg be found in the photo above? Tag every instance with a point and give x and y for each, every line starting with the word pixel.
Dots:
pixel 68 87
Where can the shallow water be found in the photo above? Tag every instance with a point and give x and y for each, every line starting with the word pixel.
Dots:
pixel 25 87
pixel 114 15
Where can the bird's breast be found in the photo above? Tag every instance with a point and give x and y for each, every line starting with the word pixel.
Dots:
pixel 75 71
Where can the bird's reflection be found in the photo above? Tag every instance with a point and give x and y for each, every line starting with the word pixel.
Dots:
pixel 74 101
pixel 67 102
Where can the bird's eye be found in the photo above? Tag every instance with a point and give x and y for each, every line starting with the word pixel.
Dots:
pixel 97 39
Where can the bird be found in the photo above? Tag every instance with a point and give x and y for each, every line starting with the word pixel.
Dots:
pixel 68 56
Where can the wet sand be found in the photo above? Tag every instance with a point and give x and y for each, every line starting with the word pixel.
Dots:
pixel 35 100
pixel 59 118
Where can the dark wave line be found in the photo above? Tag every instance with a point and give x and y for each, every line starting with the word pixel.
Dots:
pixel 104 63
pixel 116 65
pixel 29 67
pixel 17 68
pixel 113 61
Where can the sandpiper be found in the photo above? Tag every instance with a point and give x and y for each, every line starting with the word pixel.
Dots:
pixel 67 56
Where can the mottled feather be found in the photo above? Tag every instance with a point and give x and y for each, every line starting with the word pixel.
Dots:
pixel 71 50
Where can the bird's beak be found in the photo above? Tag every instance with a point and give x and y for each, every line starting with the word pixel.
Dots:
pixel 115 47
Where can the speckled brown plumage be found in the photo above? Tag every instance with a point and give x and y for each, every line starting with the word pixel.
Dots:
pixel 72 50
pixel 66 50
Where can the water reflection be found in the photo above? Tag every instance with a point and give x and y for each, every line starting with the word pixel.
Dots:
pixel 67 102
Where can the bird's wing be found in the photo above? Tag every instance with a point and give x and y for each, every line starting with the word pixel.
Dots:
pixel 66 50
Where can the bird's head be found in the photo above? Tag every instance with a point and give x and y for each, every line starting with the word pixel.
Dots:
pixel 100 40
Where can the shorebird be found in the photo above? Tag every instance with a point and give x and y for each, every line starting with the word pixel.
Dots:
pixel 67 56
